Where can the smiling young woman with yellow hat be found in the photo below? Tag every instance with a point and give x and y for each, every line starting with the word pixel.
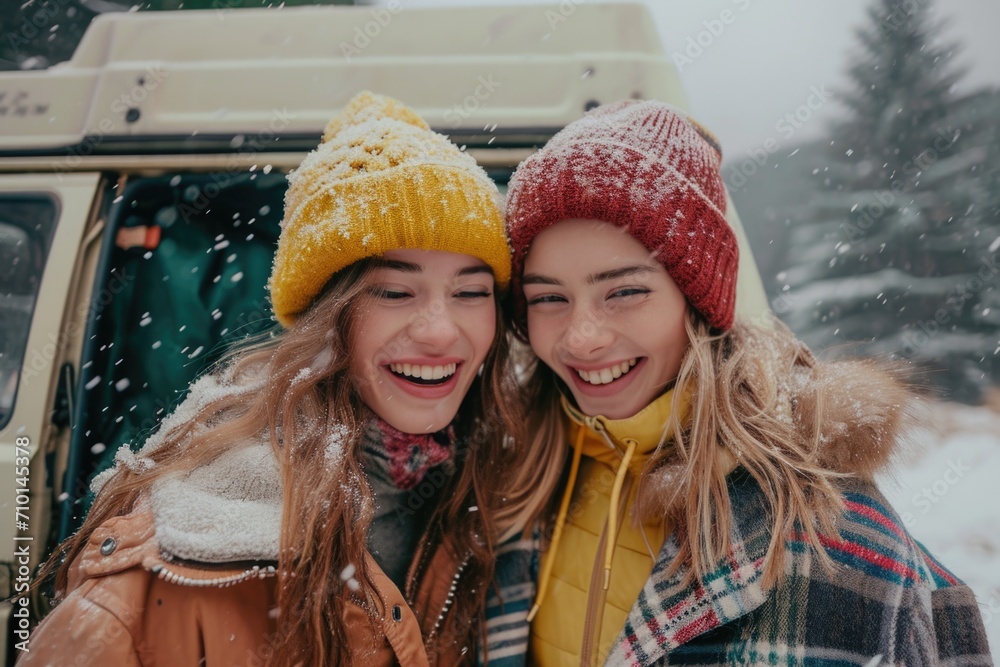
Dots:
pixel 332 494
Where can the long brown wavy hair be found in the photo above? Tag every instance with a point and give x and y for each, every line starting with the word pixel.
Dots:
pixel 753 400
pixel 327 509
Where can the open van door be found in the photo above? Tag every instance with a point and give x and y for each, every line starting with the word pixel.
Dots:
pixel 45 224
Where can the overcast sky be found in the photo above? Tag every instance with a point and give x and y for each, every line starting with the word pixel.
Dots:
pixel 774 52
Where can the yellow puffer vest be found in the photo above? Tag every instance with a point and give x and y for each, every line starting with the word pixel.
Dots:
pixel 587 587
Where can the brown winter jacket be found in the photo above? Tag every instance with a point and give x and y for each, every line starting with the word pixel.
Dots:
pixel 128 606
pixel 188 578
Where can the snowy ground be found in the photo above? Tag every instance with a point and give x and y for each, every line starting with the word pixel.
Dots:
pixel 946 489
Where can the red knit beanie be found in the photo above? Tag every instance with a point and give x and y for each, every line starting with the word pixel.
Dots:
pixel 643 166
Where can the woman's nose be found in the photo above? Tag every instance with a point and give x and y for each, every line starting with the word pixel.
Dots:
pixel 588 332
pixel 434 326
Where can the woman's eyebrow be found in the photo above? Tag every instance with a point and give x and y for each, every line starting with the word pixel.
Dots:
pixel 396 265
pixel 535 279
pixel 613 274
pixel 592 279
pixel 472 270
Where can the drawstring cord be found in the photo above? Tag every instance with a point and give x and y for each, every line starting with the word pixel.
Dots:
pixel 550 560
pixel 616 490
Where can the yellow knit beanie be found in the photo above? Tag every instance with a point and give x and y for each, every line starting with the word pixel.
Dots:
pixel 381 180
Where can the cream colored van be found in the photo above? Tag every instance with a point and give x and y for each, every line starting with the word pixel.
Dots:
pixel 141 186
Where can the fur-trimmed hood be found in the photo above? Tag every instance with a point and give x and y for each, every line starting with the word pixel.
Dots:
pixel 863 408
pixel 866 415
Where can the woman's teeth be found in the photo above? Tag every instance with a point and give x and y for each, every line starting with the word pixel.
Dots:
pixel 424 372
pixel 609 374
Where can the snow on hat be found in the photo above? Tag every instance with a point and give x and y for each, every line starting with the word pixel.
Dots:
pixel 642 166
pixel 381 180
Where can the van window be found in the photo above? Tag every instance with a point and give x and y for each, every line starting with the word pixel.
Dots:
pixel 26 227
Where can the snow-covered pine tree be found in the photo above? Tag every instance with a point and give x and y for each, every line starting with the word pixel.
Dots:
pixel 888 255
pixel 902 83
pixel 983 111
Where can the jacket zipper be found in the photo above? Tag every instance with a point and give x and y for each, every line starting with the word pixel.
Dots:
pixel 417 568
pixel 597 596
pixel 448 601
pixel 596 599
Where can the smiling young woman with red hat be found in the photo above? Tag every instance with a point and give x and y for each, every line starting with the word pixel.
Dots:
pixel 719 504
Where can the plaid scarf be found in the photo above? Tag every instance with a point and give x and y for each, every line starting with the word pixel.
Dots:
pixel 411 455
pixel 887 601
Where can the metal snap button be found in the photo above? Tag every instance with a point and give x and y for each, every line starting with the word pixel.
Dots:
pixel 397 613
pixel 108 546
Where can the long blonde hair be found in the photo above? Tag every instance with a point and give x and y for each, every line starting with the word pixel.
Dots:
pixel 327 510
pixel 751 402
